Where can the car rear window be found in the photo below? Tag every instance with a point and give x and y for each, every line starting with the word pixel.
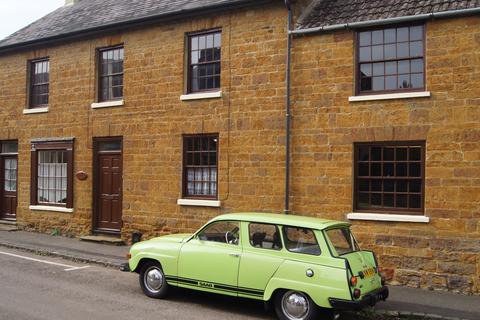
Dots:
pixel 301 240
pixel 342 241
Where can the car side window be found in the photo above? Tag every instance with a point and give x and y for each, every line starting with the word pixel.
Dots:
pixel 266 236
pixel 301 240
pixel 221 231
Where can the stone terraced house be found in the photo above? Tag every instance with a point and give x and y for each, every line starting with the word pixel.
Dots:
pixel 153 116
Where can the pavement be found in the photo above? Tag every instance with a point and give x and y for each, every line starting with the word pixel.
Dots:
pixel 402 300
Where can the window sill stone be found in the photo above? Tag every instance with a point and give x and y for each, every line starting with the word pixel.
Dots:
pixel 199 203
pixel 35 110
pixel 388 217
pixel 51 208
pixel 200 96
pixel 108 104
pixel 390 96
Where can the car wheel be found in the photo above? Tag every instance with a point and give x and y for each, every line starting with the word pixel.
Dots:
pixel 295 305
pixel 152 280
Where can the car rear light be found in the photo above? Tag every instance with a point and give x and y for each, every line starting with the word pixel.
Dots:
pixel 357 293
pixel 353 281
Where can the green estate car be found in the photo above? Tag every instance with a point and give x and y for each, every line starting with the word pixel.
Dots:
pixel 304 266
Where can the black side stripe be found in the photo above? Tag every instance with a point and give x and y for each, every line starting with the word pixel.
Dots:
pixel 216 286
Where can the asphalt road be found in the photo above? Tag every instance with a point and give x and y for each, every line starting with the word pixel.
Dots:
pixel 31 289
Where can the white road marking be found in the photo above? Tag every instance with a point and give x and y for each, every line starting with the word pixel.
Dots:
pixel 68 267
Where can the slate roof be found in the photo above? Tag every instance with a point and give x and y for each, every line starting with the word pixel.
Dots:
pixel 323 13
pixel 93 14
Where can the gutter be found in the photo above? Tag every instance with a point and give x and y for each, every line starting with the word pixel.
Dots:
pixel 371 23
pixel 122 25
pixel 288 115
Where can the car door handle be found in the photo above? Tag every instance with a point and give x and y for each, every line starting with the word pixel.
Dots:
pixel 235 255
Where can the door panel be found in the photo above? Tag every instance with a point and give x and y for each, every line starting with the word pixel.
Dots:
pixel 9 167
pixel 209 263
pixel 109 192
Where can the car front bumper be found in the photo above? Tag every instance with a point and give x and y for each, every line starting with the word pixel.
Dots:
pixel 369 300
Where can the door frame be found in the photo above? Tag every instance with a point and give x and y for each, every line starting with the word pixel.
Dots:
pixel 96 180
pixel 2 178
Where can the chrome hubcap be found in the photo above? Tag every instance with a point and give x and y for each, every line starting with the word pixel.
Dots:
pixel 295 305
pixel 153 279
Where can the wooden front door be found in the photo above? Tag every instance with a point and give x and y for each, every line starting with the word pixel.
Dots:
pixel 9 165
pixel 108 186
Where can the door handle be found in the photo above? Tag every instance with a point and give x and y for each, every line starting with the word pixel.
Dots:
pixel 235 255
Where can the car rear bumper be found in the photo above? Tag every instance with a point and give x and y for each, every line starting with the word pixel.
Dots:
pixel 369 300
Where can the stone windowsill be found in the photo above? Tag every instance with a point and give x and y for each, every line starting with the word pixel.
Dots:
pixel 387 217
pixel 202 95
pixel 199 203
pixel 51 208
pixel 35 110
pixel 108 104
pixel 390 96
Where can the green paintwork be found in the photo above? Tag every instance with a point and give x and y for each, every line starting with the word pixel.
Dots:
pixel 252 272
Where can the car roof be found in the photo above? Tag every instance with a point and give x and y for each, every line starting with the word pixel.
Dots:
pixel 282 219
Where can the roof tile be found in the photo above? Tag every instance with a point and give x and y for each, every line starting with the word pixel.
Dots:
pixel 331 12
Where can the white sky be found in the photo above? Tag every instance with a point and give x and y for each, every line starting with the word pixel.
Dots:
pixel 16 14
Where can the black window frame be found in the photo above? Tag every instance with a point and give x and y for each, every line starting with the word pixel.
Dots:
pixel 190 65
pixel 186 165
pixel 101 75
pixel 32 83
pixel 358 63
pixel 61 145
pixel 394 179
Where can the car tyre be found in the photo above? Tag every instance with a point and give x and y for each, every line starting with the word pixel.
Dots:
pixel 295 305
pixel 152 280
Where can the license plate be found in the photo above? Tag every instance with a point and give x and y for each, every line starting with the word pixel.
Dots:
pixel 369 273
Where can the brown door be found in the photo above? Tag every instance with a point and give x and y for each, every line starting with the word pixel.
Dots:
pixel 108 187
pixel 9 187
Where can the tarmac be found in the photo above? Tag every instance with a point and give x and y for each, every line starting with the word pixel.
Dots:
pixel 403 301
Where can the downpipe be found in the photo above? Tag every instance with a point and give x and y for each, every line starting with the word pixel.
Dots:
pixel 287 110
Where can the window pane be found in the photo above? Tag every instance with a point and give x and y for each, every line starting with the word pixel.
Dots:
pixel 391 82
pixel 417 80
pixel 365 38
pixel 377 37
pixel 416 49
pixel 378 83
pixel 377 53
pixel 363 153
pixel 378 69
pixel 390 35
pixel 300 240
pixel 416 33
pixel 365 54
pixel 9 147
pixel 222 231
pixel 402 34
pixel 366 70
pixel 265 236
pixel 390 51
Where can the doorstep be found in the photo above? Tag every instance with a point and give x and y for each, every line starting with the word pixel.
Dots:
pixel 8 225
pixel 104 240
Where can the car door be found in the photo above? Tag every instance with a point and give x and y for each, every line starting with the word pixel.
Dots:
pixel 261 257
pixel 210 260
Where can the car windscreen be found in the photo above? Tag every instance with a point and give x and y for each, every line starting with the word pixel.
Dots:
pixel 342 241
